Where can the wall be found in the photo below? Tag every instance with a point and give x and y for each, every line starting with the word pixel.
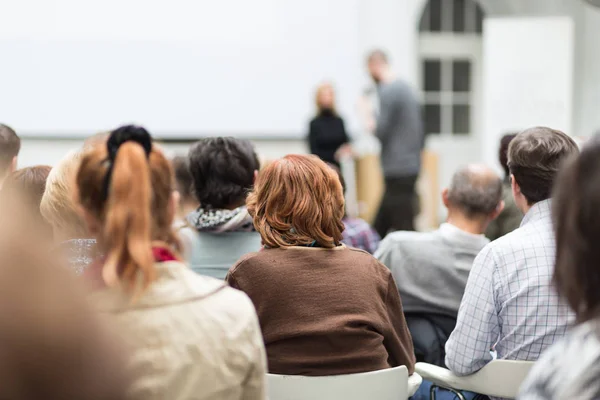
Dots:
pixel 49 152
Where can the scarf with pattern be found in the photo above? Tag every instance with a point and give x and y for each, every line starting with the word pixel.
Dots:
pixel 220 220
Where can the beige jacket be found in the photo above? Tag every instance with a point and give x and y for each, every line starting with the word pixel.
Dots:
pixel 191 337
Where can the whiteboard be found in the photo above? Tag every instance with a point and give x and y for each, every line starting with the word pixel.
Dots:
pixel 527 76
pixel 182 68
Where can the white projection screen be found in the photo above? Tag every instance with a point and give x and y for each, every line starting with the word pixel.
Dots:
pixel 183 68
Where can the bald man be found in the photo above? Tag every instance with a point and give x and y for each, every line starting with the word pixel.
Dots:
pixel 431 268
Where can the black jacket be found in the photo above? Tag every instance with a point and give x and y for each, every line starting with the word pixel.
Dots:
pixel 327 133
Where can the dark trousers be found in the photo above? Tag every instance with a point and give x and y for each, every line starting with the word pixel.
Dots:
pixel 397 208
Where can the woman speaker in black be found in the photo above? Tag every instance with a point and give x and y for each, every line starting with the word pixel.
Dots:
pixel 327 135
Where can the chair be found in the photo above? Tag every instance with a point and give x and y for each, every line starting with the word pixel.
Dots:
pixel 499 378
pixel 387 384
pixel 429 333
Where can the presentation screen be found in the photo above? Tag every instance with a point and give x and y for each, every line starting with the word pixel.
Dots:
pixel 182 68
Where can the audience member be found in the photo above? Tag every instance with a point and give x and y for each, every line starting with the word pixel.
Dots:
pixel 570 369
pixel 324 309
pixel 509 303
pixel 399 128
pixel 31 183
pixel 510 218
pixel 58 207
pixel 431 268
pixel 223 172
pixel 53 346
pixel 183 179
pixel 10 145
pixel 357 232
pixel 192 337
pixel 327 133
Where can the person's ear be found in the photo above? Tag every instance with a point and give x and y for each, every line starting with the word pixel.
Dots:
pixel 498 210
pixel 516 190
pixel 255 176
pixel 445 198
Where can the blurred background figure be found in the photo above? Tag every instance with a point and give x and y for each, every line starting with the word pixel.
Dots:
pixel 10 145
pixel 399 128
pixel 191 336
pixel 58 207
pixel 327 134
pixel 30 184
pixel 186 205
pixel 510 218
pixel 183 178
pixel 53 346
pixel 357 232
pixel 223 172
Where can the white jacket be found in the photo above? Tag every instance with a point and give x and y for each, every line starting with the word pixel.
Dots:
pixel 191 337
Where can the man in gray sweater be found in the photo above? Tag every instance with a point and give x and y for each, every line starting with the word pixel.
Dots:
pixel 431 268
pixel 399 128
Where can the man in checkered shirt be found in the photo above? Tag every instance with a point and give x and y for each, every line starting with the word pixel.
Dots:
pixel 510 305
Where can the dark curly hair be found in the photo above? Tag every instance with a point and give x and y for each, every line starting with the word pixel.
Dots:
pixel 222 170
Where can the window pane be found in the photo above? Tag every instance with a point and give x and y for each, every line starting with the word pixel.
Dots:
pixel 461 115
pixel 435 15
pixel 424 24
pixel 432 70
pixel 432 119
pixel 479 19
pixel 461 75
pixel 458 18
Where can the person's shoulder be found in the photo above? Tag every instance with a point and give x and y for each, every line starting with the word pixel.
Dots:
pixel 247 259
pixel 367 262
pixel 409 239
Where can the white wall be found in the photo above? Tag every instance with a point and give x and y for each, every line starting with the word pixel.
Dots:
pixel 49 151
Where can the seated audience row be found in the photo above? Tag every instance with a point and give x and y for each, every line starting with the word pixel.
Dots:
pixel 510 305
pixel 310 304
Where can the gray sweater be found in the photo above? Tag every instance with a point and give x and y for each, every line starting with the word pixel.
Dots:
pixel 399 129
pixel 431 268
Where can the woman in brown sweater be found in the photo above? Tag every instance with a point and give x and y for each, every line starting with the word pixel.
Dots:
pixel 324 309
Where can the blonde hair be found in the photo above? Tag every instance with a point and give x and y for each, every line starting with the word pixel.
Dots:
pixel 322 87
pixel 130 196
pixel 298 201
pixel 58 205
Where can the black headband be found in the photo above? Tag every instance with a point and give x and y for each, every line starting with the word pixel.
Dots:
pixel 128 133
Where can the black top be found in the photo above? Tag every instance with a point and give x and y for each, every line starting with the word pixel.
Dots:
pixel 327 133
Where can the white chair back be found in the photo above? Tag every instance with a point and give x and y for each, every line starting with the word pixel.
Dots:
pixel 387 384
pixel 499 378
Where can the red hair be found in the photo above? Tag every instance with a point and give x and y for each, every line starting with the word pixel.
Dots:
pixel 298 201
pixel 135 212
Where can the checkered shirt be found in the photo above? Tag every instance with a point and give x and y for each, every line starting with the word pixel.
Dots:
pixel 359 234
pixel 510 304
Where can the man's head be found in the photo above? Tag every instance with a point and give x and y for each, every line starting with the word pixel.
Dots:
pixel 534 158
pixel 378 65
pixel 10 144
pixel 475 194
pixel 503 151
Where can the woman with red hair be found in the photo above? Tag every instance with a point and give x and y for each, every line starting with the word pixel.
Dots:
pixel 324 308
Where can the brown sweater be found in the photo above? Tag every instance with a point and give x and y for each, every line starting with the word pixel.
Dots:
pixel 325 311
